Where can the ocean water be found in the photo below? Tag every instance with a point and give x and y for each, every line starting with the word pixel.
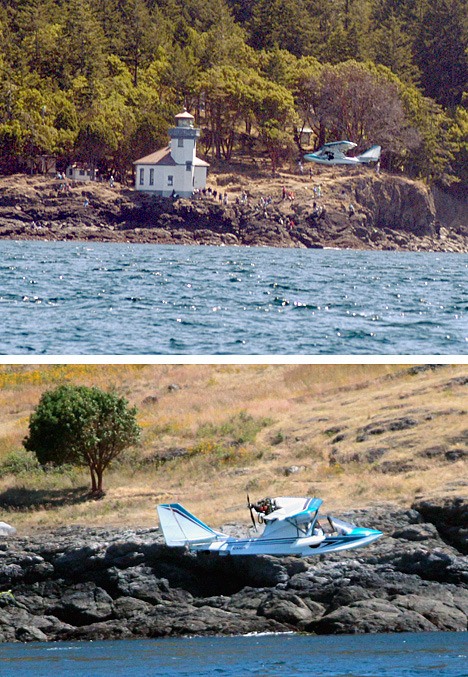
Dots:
pixel 69 298
pixel 395 655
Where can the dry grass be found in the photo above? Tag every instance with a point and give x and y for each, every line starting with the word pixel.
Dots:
pixel 316 417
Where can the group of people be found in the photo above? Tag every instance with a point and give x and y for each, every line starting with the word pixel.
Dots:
pixel 213 193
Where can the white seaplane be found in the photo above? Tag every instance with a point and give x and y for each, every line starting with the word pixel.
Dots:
pixel 291 527
pixel 334 153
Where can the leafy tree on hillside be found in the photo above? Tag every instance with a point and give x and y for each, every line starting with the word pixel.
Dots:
pixel 357 101
pixel 275 117
pixel 225 93
pixel 83 426
pixel 458 136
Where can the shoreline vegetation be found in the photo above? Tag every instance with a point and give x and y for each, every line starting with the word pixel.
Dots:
pixel 328 207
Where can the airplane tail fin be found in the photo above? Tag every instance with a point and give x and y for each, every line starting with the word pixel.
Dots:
pixel 181 528
pixel 371 155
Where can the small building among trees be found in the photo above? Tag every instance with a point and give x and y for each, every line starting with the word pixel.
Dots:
pixel 81 172
pixel 175 169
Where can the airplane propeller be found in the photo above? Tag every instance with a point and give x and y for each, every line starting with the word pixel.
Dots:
pixel 249 505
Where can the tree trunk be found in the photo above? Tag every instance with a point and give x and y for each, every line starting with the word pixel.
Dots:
pixel 94 484
pixel 99 473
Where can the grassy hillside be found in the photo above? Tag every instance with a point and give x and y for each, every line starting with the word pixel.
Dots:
pixel 351 434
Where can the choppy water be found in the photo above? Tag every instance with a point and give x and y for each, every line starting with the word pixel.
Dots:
pixel 397 655
pixel 79 298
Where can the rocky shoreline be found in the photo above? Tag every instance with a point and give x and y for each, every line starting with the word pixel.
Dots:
pixel 362 211
pixel 81 583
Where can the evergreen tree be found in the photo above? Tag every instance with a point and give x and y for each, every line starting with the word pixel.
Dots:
pixel 442 51
pixel 393 47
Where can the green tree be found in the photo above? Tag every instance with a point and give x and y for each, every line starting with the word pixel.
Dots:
pixel 272 108
pixel 224 92
pixel 442 51
pixel 83 426
pixel 84 45
pixel 392 47
pixel 284 23
pixel 458 136
pixel 140 38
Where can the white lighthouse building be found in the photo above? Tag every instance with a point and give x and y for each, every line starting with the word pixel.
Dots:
pixel 176 169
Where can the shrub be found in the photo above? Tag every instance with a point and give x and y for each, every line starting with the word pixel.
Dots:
pixel 19 462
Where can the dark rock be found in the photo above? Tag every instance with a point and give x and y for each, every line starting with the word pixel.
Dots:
pixel 349 594
pixel 248 598
pixel 82 604
pixel 373 615
pixel 453 455
pixel 416 532
pixel 96 631
pixel 450 516
pixel 27 633
pixel 129 607
pixel 380 427
pixel 433 452
pixel 139 582
pixel 150 400
pixel 433 565
pixel 393 467
pixel 75 561
pixel 286 608
pixel 443 616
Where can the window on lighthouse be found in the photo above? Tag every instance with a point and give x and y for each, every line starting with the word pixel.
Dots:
pixel 180 143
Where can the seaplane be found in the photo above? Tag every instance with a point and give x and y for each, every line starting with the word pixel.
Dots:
pixel 334 153
pixel 291 526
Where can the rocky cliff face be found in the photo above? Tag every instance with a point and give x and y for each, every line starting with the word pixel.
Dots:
pixel 98 584
pixel 364 212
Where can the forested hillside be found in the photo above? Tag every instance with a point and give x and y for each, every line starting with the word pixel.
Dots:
pixel 100 81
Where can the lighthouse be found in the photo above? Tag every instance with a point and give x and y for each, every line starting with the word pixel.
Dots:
pixel 175 169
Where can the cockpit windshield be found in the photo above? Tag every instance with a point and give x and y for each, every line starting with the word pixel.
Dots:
pixel 340 526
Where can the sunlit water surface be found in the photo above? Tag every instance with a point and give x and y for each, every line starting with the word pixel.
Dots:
pixel 393 655
pixel 85 298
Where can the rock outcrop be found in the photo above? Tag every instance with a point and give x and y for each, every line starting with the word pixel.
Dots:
pixel 362 211
pixel 81 583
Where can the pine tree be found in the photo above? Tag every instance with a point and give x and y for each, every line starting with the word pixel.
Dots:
pixel 442 51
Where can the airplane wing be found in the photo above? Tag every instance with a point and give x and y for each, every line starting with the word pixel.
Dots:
pixel 338 146
pixel 297 510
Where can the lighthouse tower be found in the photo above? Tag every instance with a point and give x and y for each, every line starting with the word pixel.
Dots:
pixel 174 170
